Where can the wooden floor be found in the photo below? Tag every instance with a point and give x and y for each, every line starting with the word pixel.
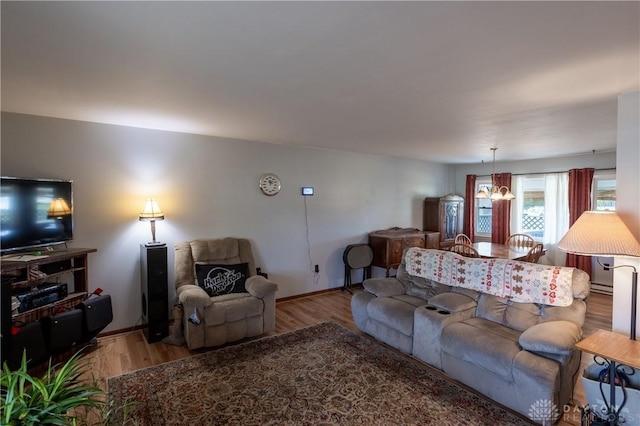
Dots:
pixel 126 352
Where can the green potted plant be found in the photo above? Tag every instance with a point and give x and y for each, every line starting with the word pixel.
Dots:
pixel 61 396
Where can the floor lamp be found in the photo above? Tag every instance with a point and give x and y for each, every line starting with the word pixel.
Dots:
pixel 603 233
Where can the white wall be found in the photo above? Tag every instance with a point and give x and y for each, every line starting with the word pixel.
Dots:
pixel 627 203
pixel 208 187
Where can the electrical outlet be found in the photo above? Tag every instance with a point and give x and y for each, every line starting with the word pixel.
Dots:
pixel 317 269
pixel 606 266
pixel 307 191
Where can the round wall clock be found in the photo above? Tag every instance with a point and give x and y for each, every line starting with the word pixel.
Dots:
pixel 270 184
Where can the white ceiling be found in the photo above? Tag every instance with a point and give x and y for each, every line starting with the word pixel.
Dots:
pixel 440 81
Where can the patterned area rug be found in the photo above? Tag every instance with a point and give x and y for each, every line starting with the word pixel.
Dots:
pixel 320 375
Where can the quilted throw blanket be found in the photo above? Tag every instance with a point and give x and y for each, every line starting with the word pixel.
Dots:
pixel 519 281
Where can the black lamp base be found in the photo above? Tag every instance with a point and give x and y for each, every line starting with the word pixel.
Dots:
pixel 155 244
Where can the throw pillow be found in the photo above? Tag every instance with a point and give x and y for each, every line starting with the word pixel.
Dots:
pixel 222 279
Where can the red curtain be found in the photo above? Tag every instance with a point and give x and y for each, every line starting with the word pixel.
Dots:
pixel 469 208
pixel 501 212
pixel 580 181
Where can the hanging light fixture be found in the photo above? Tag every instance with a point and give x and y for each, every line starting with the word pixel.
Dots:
pixel 496 193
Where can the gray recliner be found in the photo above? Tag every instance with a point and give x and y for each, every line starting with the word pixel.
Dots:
pixel 216 320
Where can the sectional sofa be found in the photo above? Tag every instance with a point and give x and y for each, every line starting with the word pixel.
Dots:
pixel 505 328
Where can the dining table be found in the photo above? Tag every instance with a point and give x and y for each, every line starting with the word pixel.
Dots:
pixel 502 251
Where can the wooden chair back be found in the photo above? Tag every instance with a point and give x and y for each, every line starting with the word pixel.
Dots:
pixel 462 239
pixel 535 253
pixel 520 240
pixel 465 250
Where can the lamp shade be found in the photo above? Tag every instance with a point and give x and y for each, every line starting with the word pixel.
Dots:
pixel 600 233
pixel 151 211
pixel 483 194
pixel 58 208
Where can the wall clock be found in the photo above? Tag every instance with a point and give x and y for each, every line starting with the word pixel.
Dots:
pixel 270 184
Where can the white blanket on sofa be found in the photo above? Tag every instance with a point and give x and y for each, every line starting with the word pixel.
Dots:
pixel 519 281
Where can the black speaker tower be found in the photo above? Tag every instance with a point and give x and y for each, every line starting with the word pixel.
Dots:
pixel 155 303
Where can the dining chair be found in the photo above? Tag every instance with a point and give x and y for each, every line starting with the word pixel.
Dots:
pixel 520 240
pixel 465 250
pixel 534 254
pixel 462 239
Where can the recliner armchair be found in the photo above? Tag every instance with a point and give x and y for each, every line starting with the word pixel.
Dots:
pixel 216 320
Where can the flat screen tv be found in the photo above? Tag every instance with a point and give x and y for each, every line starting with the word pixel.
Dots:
pixel 26 220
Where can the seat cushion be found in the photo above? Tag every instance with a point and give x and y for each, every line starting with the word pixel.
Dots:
pixel 483 343
pixel 232 309
pixel 395 312
pixel 452 302
pixel 512 314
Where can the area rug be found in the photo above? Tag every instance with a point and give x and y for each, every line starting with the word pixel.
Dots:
pixel 319 375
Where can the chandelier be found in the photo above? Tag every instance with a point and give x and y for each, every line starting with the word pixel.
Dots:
pixel 496 193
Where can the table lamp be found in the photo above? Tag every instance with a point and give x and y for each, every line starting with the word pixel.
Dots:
pixel 58 209
pixel 603 233
pixel 151 212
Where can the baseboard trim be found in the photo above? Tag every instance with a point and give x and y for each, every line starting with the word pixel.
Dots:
pixel 122 330
pixel 282 299
pixel 315 293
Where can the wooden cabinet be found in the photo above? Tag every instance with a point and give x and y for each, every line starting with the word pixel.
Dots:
pixel 388 245
pixel 444 215
pixel 432 239
pixel 19 275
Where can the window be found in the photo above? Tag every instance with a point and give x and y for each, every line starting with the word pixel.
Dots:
pixel 483 211
pixel 532 220
pixel 603 195
pixel 531 200
pixel 541 207
pixel 604 191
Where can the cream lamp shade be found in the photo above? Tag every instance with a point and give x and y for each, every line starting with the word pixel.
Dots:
pixel 151 211
pixel 600 233
pixel 58 208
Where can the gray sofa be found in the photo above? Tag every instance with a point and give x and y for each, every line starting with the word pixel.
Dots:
pixel 521 355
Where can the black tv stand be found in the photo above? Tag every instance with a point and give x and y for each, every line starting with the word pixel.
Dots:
pixel 35 251
pixel 25 271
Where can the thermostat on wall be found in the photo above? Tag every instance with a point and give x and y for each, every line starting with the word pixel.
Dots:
pixel 307 190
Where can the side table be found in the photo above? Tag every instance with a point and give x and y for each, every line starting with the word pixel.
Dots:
pixel 616 351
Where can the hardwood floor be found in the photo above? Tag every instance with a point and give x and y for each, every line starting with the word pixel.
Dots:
pixel 126 352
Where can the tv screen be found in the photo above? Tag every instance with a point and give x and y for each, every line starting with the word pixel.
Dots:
pixel 26 217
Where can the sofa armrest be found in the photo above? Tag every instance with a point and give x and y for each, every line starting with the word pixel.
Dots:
pixel 260 287
pixel 193 295
pixel 552 337
pixel 384 287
